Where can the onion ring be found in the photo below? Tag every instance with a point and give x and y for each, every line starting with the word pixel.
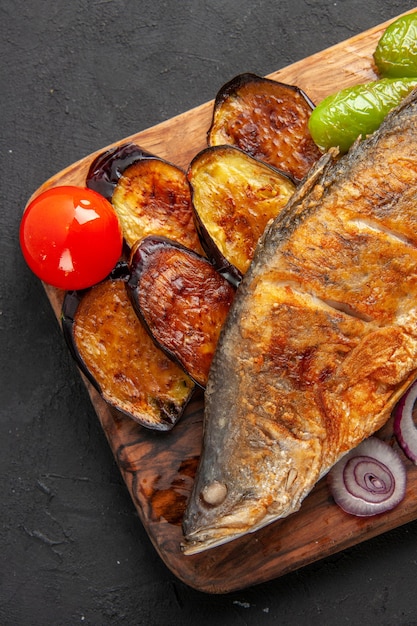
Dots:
pixel 404 427
pixel 370 479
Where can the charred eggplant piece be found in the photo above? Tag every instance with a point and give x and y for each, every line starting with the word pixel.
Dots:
pixel 234 196
pixel 106 169
pixel 268 120
pixel 182 300
pixel 117 355
pixel 150 195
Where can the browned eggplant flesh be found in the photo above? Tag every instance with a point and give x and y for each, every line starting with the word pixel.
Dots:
pixel 182 300
pixel 234 196
pixel 268 120
pixel 116 353
pixel 150 195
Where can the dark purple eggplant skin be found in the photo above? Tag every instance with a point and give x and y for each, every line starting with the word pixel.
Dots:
pixel 69 308
pixel 107 168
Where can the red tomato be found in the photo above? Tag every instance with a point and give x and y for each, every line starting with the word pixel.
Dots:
pixel 70 237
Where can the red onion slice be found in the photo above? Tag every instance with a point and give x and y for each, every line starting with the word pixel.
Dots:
pixel 370 479
pixel 404 426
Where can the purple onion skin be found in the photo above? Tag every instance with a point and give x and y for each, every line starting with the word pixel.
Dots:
pixel 404 427
pixel 369 480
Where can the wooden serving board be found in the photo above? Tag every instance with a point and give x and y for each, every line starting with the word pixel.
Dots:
pixel 159 468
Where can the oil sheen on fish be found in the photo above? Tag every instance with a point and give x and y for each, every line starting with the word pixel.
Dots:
pixel 321 339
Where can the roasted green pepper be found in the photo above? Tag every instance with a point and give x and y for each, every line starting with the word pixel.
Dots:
pixel 357 111
pixel 396 52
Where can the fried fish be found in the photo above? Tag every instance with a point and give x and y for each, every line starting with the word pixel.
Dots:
pixel 321 339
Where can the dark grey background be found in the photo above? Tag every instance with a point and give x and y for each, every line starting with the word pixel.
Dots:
pixel 77 75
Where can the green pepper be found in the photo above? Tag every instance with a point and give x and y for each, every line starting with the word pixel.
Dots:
pixel 396 51
pixel 357 111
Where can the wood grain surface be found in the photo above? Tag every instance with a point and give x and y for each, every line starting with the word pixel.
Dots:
pixel 159 468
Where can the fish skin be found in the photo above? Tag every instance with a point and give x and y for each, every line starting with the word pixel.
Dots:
pixel 320 341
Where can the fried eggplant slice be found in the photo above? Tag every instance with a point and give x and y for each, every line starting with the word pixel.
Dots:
pixel 117 355
pixel 150 195
pixel 268 120
pixel 182 300
pixel 234 196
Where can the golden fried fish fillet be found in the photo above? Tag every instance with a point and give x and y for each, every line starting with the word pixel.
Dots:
pixel 321 339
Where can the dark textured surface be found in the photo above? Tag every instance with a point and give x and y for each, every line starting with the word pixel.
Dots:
pixel 75 77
